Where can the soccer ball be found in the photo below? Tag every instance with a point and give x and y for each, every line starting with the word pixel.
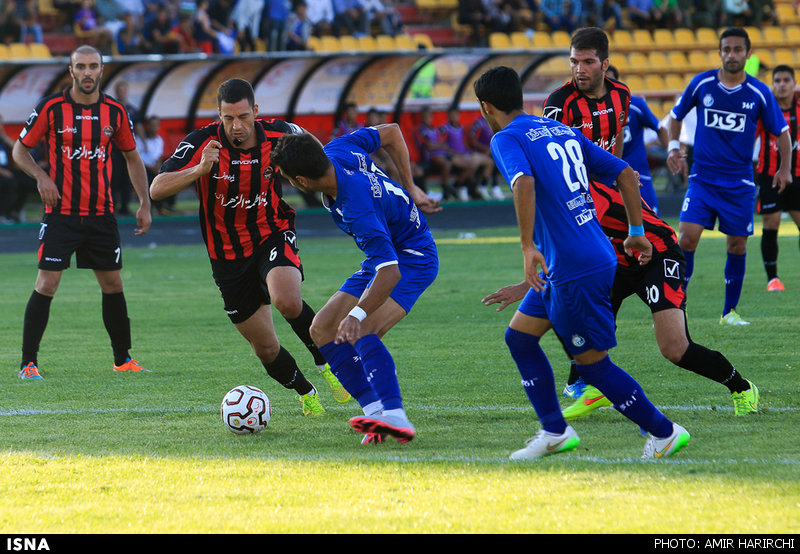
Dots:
pixel 245 410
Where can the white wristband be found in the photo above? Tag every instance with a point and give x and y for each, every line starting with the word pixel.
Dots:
pixel 673 145
pixel 358 313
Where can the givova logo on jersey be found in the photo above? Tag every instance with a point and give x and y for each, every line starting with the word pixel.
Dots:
pixel 725 121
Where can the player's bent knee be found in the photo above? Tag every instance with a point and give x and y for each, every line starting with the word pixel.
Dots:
pixel 266 351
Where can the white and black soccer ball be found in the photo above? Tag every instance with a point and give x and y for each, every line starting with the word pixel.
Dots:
pixel 246 410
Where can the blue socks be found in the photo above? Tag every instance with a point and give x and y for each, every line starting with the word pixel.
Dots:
pixel 619 387
pixel 537 379
pixel 626 395
pixel 734 278
pixel 366 371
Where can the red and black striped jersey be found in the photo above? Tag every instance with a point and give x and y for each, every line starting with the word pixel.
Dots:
pixel 240 204
pixel 769 159
pixel 600 119
pixel 77 139
pixel 614 221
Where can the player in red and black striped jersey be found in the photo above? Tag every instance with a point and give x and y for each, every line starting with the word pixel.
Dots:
pixel 77 126
pixel 598 105
pixel 771 202
pixel 249 232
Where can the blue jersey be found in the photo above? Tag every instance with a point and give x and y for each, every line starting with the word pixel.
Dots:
pixel 640 117
pixel 726 123
pixel 566 229
pixel 377 212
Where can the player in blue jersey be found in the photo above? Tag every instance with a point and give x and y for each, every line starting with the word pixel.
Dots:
pixel 729 104
pixel 548 165
pixel 385 220
pixel 634 151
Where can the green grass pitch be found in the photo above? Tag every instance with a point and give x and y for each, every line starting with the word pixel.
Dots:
pixel 86 450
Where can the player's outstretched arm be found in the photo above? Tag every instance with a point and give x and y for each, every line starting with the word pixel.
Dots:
pixel 394 144
pixel 167 184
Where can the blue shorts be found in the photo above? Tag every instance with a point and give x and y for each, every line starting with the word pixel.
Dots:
pixel 580 311
pixel 732 202
pixel 418 269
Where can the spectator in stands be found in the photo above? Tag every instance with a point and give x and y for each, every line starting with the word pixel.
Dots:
pixel 562 15
pixel 159 33
pixel 764 13
pixel 349 18
pixel 10 28
pixel 204 32
pixel 473 14
pixel 670 13
pixel 643 14
pixel 437 159
pixel 183 32
pixel 348 122
pixel 121 186
pixel 135 8
pixel 298 27
pixel 321 14
pixel 28 18
pixel 89 24
pixel 109 15
pixel 736 13
pixel 151 149
pixel 383 15
pixel 480 164
pixel 130 39
pixel 479 138
pixel 274 21
pixel 598 12
pixel 246 17
pixel 706 13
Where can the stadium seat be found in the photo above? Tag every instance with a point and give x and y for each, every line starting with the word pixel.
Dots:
pixel 38 50
pixel 499 41
pixel 635 83
pixel 755 34
pixel 560 39
pixel 684 38
pixel 773 36
pixel 314 44
pixel 4 55
pixel 424 41
pixel 367 43
pixel 557 65
pixel 705 37
pixel 405 42
pixel 654 83
pixel 787 14
pixel 673 81
pixel 520 40
pixel 642 39
pixel 541 40
pixel 348 43
pixel 699 60
pixel 783 56
pixel 622 40
pixel 637 61
pixel 792 35
pixel 677 61
pixel 385 43
pixel 329 43
pixel 657 61
pixel 664 39
pixel 17 51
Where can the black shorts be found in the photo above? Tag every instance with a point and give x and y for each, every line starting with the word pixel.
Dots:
pixel 770 201
pixel 243 282
pixel 93 238
pixel 659 284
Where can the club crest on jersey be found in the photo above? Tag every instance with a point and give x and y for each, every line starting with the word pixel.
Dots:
pixel 578 340
pixel 708 100
pixel 108 130
pixel 268 173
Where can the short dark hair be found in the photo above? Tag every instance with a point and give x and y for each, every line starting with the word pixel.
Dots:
pixel 235 90
pixel 591 38
pixel 783 68
pixel 501 87
pixel 299 154
pixel 735 32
